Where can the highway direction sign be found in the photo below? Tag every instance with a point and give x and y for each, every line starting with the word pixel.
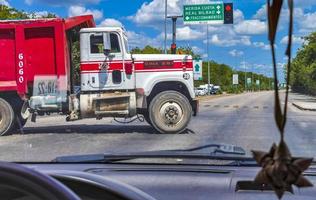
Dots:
pixel 204 13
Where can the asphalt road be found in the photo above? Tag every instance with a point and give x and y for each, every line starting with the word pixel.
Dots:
pixel 245 120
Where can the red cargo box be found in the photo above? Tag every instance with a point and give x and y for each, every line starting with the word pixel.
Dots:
pixel 35 47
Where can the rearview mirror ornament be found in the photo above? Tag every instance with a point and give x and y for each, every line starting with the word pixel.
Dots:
pixel 281 170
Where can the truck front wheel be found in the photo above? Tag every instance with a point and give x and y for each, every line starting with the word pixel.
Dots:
pixel 6 117
pixel 170 112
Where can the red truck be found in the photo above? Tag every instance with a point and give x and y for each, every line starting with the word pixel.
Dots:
pixel 37 76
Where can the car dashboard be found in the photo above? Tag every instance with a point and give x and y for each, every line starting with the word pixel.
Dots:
pixel 165 181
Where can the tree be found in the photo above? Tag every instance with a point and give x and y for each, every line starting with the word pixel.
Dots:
pixel 11 13
pixel 303 73
pixel 152 50
pixel 146 50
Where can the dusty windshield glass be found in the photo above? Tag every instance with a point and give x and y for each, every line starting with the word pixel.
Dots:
pixel 201 76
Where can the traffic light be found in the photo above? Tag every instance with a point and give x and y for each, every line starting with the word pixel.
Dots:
pixel 173 48
pixel 228 13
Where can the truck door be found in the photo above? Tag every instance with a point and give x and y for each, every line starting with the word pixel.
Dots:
pixel 102 72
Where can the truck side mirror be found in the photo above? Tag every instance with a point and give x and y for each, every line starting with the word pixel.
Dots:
pixel 107 44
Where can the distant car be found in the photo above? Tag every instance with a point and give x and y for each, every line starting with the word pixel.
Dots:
pixel 200 91
pixel 215 90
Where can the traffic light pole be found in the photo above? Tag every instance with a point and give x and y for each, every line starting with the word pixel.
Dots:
pixel 174 33
pixel 166 7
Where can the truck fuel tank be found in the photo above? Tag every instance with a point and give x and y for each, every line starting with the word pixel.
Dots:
pixel 113 104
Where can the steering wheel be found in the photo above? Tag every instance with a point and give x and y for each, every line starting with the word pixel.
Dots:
pixel 33 183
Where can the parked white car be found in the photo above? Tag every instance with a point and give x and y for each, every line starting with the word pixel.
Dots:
pixel 200 91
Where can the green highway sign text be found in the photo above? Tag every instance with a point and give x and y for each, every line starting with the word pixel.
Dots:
pixel 204 13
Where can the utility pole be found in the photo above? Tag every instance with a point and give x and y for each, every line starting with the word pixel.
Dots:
pixel 252 81
pixel 166 10
pixel 245 75
pixel 208 63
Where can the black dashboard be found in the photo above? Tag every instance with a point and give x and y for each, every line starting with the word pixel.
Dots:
pixel 165 181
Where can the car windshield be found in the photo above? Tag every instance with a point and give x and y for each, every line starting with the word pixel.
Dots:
pixel 116 78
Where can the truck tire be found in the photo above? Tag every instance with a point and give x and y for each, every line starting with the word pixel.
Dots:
pixel 170 112
pixel 7 117
pixel 20 119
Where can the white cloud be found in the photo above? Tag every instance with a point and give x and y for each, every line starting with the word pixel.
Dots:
pixel 236 53
pixel 238 16
pixel 305 3
pixel 28 2
pixel 4 2
pixel 204 55
pixel 295 40
pixel 63 2
pixel 304 19
pixel 308 21
pixel 140 40
pixel 197 50
pixel 111 22
pixel 261 14
pixel 229 41
pixel 185 34
pixel 261 45
pixel 152 13
pixel 81 10
pixel 251 27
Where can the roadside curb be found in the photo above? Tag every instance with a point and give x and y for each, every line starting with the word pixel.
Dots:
pixel 302 108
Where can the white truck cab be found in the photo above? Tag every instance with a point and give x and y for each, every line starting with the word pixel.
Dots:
pixel 115 83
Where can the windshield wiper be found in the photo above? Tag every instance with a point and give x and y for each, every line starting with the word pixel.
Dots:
pixel 220 152
pixel 218 148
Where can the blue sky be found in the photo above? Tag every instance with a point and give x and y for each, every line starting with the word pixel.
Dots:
pixel 244 42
